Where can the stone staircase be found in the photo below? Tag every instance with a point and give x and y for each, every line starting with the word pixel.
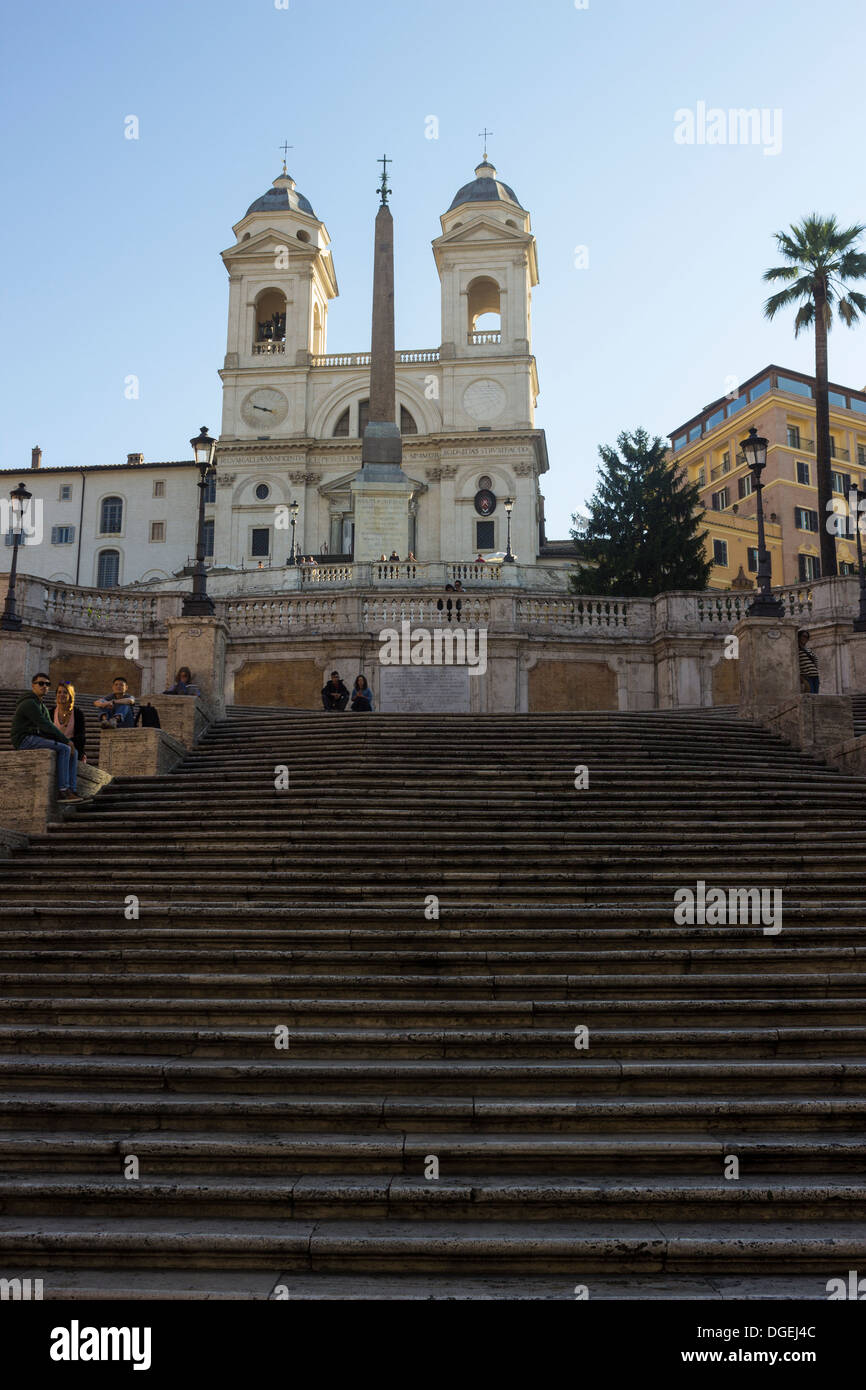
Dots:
pixel 413 1038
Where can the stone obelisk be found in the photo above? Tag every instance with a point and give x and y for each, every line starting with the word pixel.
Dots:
pixel 381 491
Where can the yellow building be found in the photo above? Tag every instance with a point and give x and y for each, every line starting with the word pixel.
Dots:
pixel 780 404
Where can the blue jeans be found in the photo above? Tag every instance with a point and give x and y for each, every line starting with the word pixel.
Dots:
pixel 814 682
pixel 67 759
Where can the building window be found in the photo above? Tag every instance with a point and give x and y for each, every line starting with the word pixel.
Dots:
pixel 846 567
pixel 363 416
pixel 752 558
pixel 158 487
pixel 810 568
pixel 341 429
pixel 485 535
pixel 840 482
pixel 157 531
pixel 745 485
pixel 260 542
pixel 793 436
pixel 111 517
pixel 726 461
pixel 208 536
pixel 62 535
pixel 804 474
pixel 65 492
pixel 210 487
pixel 832 447
pixel 720 500
pixel 861 456
pixel 702 477
pixel 263 492
pixel 720 552
pixel 805 519
pixel 108 569
pixel 407 421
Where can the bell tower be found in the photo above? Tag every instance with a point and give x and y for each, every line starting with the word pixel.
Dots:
pixel 281 281
pixel 487 263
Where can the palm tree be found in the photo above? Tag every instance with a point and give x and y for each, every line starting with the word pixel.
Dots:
pixel 821 258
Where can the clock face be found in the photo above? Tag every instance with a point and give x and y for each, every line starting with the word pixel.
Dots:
pixel 264 409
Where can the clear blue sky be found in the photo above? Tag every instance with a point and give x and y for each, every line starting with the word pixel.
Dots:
pixel 111 246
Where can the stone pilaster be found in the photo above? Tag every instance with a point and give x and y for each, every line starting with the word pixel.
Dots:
pixel 200 644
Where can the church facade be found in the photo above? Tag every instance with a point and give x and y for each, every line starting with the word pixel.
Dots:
pixel 294 415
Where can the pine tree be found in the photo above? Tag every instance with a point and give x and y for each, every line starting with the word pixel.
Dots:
pixel 642 537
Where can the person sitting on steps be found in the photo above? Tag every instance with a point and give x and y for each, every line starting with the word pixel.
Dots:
pixel 183 684
pixel 32 728
pixel 334 693
pixel 362 696
pixel 809 676
pixel 69 718
pixel 117 709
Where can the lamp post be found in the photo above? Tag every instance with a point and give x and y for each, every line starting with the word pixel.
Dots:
pixel 10 622
pixel 763 605
pixel 197 604
pixel 860 523
pixel 508 558
pixel 293 513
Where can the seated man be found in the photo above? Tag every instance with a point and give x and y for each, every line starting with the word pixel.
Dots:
pixel 117 709
pixel 32 727
pixel 334 694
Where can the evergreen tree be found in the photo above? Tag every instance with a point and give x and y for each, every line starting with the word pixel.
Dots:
pixel 642 537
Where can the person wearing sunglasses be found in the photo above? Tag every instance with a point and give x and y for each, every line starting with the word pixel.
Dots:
pixel 32 727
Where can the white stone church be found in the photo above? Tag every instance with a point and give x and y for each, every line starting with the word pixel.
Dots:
pixel 294 415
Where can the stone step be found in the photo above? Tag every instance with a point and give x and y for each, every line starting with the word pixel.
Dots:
pixel 196 1039
pixel 479 984
pixel 784 1013
pixel 674 1154
pixel 285 1075
pixel 770 1248
pixel 105 1111
pixel 185 1285
pixel 833 1200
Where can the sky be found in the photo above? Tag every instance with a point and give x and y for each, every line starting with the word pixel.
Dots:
pixel 651 249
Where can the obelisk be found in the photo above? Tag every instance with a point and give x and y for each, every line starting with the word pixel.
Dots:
pixel 381 490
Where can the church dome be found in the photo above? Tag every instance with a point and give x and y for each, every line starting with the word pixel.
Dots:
pixel 484 188
pixel 281 197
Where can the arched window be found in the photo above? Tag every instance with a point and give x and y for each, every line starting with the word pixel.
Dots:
pixel 111 517
pixel 407 421
pixel 108 569
pixel 270 331
pixel 484 306
pixel 363 417
pixel 341 429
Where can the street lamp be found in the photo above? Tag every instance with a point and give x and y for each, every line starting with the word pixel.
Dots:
pixel 763 605
pixel 197 604
pixel 293 513
pixel 10 622
pixel 860 523
pixel 508 558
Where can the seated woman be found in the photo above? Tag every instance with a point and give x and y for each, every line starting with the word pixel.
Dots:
pixel 183 684
pixel 362 696
pixel 69 718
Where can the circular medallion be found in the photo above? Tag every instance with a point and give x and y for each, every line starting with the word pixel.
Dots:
pixel 485 502
pixel 484 400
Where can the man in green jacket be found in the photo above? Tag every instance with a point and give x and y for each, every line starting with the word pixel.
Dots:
pixel 33 727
